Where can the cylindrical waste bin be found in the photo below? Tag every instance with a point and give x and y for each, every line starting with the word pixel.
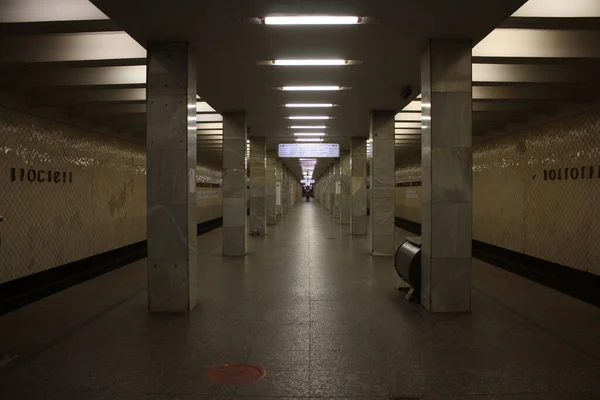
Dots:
pixel 408 264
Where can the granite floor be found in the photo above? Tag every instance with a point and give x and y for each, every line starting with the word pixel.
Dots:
pixel 320 314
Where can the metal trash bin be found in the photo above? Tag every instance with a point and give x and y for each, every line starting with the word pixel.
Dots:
pixel 408 265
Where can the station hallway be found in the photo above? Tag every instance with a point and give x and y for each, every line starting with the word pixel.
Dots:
pixel 320 314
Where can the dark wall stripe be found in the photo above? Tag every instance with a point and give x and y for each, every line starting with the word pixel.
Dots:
pixel 22 291
pixel 579 284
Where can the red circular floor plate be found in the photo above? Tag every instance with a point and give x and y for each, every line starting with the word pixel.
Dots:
pixel 237 374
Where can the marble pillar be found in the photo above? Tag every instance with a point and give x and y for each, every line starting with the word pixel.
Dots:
pixel 346 180
pixel 234 184
pixel 291 190
pixel 382 183
pixel 358 218
pixel 284 190
pixel 278 178
pixel 332 189
pixel 270 182
pixel 171 178
pixel 446 85
pixel 326 189
pixel 258 198
pixel 337 188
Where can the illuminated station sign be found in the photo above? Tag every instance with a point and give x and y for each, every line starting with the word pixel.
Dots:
pixel 314 150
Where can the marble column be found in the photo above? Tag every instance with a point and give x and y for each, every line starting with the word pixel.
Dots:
pixel 337 188
pixel 447 155
pixel 258 198
pixel 171 178
pixel 284 191
pixel 382 183
pixel 278 177
pixel 291 190
pixel 234 184
pixel 331 189
pixel 270 180
pixel 346 180
pixel 326 189
pixel 358 220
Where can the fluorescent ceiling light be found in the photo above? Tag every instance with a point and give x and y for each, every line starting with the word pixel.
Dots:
pixel 312 20
pixel 308 127
pixel 311 88
pixel 309 134
pixel 309 117
pixel 309 140
pixel 309 105
pixel 309 62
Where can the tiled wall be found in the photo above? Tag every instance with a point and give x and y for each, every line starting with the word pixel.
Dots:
pixel 521 198
pixel 68 193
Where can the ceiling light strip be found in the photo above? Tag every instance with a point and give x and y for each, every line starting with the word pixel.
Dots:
pixel 311 20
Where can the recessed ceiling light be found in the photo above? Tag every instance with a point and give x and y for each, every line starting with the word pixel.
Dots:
pixel 309 134
pixel 309 140
pixel 309 105
pixel 308 127
pixel 311 88
pixel 309 117
pixel 312 20
pixel 308 159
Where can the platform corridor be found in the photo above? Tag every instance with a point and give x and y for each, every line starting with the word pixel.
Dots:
pixel 320 314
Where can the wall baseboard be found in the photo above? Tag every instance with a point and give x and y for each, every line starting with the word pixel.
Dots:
pixel 26 290
pixel 573 282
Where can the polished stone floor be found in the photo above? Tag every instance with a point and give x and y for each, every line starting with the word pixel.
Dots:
pixel 320 314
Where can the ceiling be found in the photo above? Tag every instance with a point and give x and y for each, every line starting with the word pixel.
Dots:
pixel 539 64
pixel 73 61
pixel 228 50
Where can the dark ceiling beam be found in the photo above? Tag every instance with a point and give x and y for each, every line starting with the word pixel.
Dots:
pixel 533 92
pixel 74 96
pixel 209 137
pixel 534 73
pixel 525 106
pixel 35 75
pixel 587 23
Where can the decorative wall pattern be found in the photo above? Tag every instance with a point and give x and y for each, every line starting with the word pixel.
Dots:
pixel 68 193
pixel 50 222
pixel 536 191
